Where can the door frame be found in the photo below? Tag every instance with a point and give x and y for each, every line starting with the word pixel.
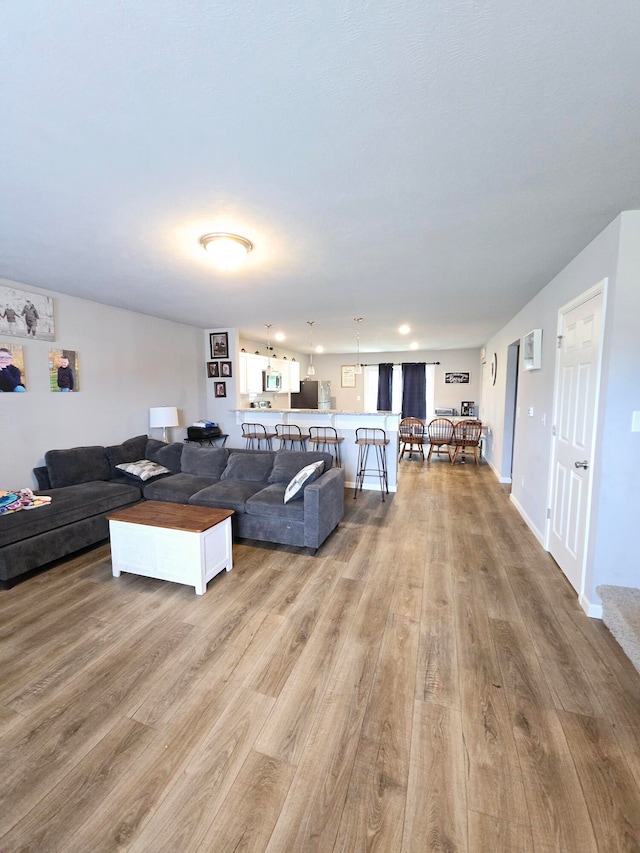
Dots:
pixel 600 288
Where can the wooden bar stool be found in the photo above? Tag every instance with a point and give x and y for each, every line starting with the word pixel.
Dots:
pixel 291 434
pixel 255 435
pixel 328 440
pixel 367 437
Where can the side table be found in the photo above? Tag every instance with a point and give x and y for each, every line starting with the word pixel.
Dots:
pixel 209 442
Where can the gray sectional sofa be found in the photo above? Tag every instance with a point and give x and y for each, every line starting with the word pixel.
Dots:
pixel 85 485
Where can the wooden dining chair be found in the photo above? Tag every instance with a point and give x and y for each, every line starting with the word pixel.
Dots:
pixel 466 434
pixel 411 434
pixel 440 434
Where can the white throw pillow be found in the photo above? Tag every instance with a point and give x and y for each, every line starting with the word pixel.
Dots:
pixel 143 469
pixel 302 478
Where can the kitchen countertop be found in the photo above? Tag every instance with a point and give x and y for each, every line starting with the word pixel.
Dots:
pixel 315 411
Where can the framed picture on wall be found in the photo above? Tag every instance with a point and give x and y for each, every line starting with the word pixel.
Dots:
pixel 25 314
pixel 348 376
pixel 456 378
pixel 213 371
pixel 532 350
pixel 12 377
pixel 221 389
pixel 219 344
pixel 64 374
pixel 225 368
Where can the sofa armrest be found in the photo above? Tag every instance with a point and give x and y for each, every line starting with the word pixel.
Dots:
pixel 323 507
pixel 42 477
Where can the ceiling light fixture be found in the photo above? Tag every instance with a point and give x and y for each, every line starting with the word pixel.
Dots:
pixel 404 330
pixel 269 369
pixel 358 365
pixel 228 251
pixel 311 371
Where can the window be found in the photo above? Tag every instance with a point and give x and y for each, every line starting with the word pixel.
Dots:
pixel 371 388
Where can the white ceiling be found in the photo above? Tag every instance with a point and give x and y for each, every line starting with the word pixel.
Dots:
pixel 433 163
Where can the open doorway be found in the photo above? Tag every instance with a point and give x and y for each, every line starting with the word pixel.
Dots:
pixel 510 410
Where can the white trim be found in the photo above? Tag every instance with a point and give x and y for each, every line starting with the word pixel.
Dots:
pixel 592 610
pixel 528 521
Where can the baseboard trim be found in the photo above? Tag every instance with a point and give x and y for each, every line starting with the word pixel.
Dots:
pixel 527 520
pixel 592 610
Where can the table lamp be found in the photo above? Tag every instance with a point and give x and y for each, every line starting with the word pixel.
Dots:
pixel 163 417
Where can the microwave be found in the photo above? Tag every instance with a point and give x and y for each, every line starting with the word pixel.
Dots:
pixel 271 381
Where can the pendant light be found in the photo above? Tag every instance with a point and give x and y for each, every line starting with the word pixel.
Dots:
pixel 311 371
pixel 358 320
pixel 269 369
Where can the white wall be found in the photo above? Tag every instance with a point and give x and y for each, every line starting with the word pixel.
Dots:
pixel 613 255
pixel 128 362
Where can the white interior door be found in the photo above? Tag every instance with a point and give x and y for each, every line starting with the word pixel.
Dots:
pixel 576 399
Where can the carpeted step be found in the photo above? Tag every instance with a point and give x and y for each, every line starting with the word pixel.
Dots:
pixel 621 615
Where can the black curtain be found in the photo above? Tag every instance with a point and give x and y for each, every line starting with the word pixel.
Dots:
pixel 414 399
pixel 385 379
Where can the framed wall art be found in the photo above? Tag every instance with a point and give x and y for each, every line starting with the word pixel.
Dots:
pixel 225 368
pixel 63 370
pixel 456 378
pixel 12 376
pixel 221 389
pixel 532 350
pixel 219 344
pixel 213 371
pixel 25 314
pixel 348 376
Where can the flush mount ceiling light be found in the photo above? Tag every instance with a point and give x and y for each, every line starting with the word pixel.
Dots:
pixel 228 251
pixel 404 330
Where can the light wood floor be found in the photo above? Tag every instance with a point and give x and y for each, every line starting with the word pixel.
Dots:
pixel 428 682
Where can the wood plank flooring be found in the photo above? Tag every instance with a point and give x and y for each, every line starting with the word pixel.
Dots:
pixel 428 682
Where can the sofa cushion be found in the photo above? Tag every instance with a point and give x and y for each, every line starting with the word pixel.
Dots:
pixel 269 502
pixel 205 461
pixel 227 494
pixel 68 504
pixel 295 488
pixel 248 466
pixel 77 465
pixel 168 455
pixel 143 469
pixel 128 451
pixel 288 462
pixel 176 488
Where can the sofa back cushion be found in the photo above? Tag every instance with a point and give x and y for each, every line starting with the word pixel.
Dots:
pixel 248 465
pixel 168 455
pixel 288 462
pixel 204 461
pixel 77 465
pixel 129 451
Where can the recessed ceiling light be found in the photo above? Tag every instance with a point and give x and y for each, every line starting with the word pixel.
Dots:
pixel 279 336
pixel 319 348
pixel 413 345
pixel 228 251
pixel 404 330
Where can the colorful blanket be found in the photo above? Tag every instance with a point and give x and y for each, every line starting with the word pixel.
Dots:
pixel 22 499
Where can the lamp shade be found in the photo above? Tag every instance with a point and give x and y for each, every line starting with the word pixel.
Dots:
pixel 162 417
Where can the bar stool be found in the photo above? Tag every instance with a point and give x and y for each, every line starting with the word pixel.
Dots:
pixel 326 438
pixel 255 434
pixel 367 437
pixel 293 435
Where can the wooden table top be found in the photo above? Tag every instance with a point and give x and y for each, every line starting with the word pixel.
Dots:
pixel 193 519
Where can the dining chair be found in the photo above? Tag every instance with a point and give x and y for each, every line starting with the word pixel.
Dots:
pixel 411 434
pixel 440 434
pixel 466 434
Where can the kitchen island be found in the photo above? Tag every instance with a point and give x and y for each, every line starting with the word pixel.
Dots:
pixel 346 424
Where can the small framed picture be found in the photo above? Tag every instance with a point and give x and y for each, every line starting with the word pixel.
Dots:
pixel 63 370
pixel 532 350
pixel 219 344
pixel 456 378
pixel 225 368
pixel 348 376
pixel 12 376
pixel 221 389
pixel 212 370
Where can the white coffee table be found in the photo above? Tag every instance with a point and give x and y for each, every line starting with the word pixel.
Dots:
pixel 171 542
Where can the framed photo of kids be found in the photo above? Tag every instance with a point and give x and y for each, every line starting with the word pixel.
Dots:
pixel 12 376
pixel 221 389
pixel 63 370
pixel 25 314
pixel 219 344
pixel 225 368
pixel 212 370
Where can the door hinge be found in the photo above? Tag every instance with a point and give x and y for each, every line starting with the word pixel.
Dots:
pixel 560 337
pixel 553 430
pixel 548 512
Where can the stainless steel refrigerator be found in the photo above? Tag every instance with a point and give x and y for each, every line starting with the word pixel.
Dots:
pixel 312 395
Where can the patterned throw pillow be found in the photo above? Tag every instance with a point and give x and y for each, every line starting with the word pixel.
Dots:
pixel 143 469
pixel 302 479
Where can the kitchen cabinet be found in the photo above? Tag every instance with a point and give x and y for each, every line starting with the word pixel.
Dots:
pixel 252 366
